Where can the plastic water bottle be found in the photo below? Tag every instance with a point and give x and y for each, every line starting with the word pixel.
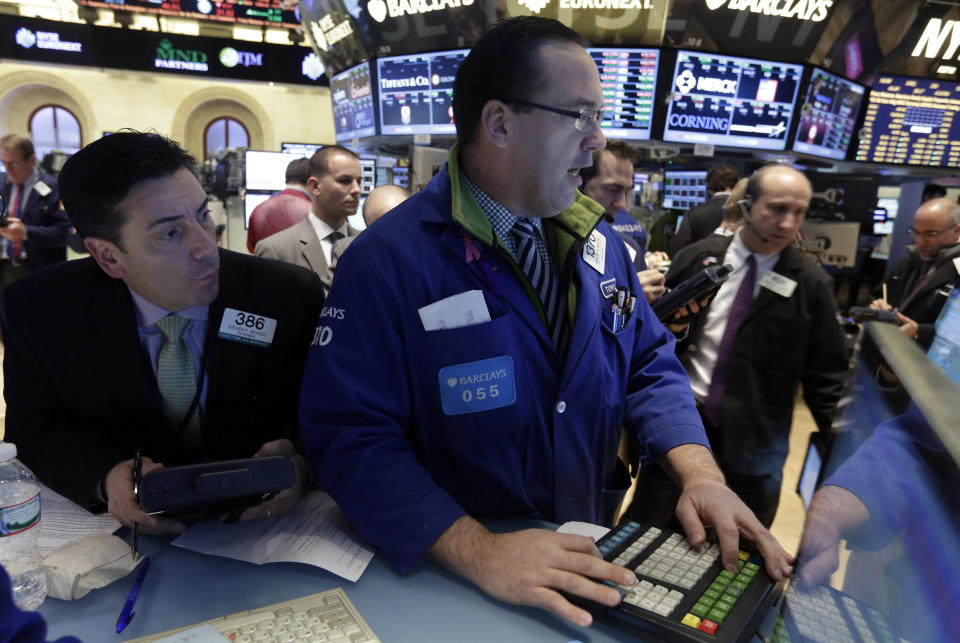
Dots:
pixel 19 528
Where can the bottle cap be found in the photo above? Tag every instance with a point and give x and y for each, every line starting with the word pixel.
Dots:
pixel 8 451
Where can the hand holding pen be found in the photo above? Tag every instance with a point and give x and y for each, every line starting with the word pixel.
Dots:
pixel 122 501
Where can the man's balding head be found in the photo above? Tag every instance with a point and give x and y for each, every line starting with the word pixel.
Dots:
pixel 936 225
pixel 381 200
pixel 776 202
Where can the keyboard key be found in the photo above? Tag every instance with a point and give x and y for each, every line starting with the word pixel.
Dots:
pixel 708 626
pixel 691 621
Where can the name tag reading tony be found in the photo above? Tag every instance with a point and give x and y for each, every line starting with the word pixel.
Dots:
pixel 247 328
pixel 477 386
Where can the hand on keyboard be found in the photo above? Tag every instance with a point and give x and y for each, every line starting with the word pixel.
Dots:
pixel 710 502
pixel 531 567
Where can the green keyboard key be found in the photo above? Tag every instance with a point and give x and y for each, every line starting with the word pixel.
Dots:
pixel 700 609
pixel 725 576
pixel 717 615
pixel 712 594
pixel 727 599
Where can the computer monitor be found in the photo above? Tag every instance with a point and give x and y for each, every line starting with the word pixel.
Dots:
pixel 250 201
pixel 352 94
pixel 911 121
pixel 629 81
pixel 834 243
pixel 266 171
pixel 828 115
pixel 726 100
pixel 683 189
pixel 368 175
pixel 945 349
pixel 401 177
pixel 416 92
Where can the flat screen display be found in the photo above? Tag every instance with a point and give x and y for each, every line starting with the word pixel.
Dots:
pixel 724 100
pixel 828 115
pixel 352 95
pixel 368 175
pixel 684 189
pixel 250 201
pixel 629 81
pixel 911 121
pixel 300 149
pixel 945 350
pixel 416 92
pixel 266 171
pixel 401 177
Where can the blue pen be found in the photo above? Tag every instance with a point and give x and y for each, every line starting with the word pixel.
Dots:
pixel 126 614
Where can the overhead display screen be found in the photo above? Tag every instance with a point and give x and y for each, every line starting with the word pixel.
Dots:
pixel 258 12
pixel 911 121
pixel 629 81
pixel 828 115
pixel 416 92
pixel 723 100
pixel 352 94
pixel 684 189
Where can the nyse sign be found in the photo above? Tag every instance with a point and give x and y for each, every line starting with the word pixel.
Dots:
pixel 940 39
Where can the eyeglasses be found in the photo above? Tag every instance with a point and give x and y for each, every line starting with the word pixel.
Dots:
pixel 928 234
pixel 586 118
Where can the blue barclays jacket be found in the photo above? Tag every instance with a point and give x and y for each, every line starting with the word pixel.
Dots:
pixel 409 429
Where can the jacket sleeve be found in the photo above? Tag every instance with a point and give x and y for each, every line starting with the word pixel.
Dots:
pixel 825 367
pixel 356 414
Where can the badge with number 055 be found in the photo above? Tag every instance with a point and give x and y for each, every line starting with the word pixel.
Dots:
pixel 247 328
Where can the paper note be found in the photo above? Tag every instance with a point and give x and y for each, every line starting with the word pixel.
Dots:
pixel 62 521
pixel 315 533
pixel 466 309
pixel 583 529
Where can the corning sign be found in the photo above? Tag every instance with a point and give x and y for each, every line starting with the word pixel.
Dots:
pixel 813 10
pixel 378 9
pixel 934 37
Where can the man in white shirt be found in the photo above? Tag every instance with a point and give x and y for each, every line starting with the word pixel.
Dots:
pixel 771 328
pixel 320 239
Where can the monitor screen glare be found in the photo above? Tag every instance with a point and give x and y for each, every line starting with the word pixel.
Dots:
pixel 911 121
pixel 352 96
pixel 416 92
pixel 629 81
pixel 828 116
pixel 723 100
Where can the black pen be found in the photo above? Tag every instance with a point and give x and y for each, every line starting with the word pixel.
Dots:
pixel 137 465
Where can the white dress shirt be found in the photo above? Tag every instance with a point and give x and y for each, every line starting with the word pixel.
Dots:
pixel 323 230
pixel 699 363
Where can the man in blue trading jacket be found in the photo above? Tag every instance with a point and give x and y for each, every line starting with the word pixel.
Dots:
pixel 508 401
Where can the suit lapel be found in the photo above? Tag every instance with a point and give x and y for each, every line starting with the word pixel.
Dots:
pixel 311 251
pixel 940 276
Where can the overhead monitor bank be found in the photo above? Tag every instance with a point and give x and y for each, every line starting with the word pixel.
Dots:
pixel 351 92
pixel 629 81
pixel 912 121
pixel 828 115
pixel 416 92
pixel 725 100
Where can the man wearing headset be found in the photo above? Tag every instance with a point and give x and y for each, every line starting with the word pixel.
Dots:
pixel 771 327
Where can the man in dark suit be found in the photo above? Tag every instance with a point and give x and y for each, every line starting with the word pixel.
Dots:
pixel 318 241
pixel 703 219
pixel 284 209
pixel 771 328
pixel 918 285
pixel 158 341
pixel 35 233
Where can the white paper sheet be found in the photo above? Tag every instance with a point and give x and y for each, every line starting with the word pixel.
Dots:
pixel 315 533
pixel 583 529
pixel 465 309
pixel 62 521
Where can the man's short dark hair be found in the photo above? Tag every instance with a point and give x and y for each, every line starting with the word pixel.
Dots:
pixel 320 161
pixel 20 143
pixel 97 178
pixel 722 177
pixel 298 171
pixel 503 65
pixel 620 150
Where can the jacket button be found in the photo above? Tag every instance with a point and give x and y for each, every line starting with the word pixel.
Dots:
pixel 561 406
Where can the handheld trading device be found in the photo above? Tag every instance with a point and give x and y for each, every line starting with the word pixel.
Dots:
pixel 698 286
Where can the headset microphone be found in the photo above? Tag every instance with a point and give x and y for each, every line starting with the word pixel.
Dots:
pixel 745 205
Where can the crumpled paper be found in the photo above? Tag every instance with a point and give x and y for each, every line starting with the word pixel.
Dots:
pixel 94 562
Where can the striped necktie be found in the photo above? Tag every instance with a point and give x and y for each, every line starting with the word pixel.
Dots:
pixel 541 277
pixel 176 378
pixel 334 238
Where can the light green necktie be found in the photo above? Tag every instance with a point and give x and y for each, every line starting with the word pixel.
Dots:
pixel 175 371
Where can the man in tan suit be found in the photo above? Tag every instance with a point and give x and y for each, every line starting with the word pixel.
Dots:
pixel 320 239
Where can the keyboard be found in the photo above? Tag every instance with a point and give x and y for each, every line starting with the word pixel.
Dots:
pixel 682 593
pixel 325 617
pixel 824 614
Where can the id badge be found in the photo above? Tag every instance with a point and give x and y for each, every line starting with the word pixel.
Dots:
pixel 477 386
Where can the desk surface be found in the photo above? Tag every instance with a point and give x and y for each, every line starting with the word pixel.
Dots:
pixel 426 604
